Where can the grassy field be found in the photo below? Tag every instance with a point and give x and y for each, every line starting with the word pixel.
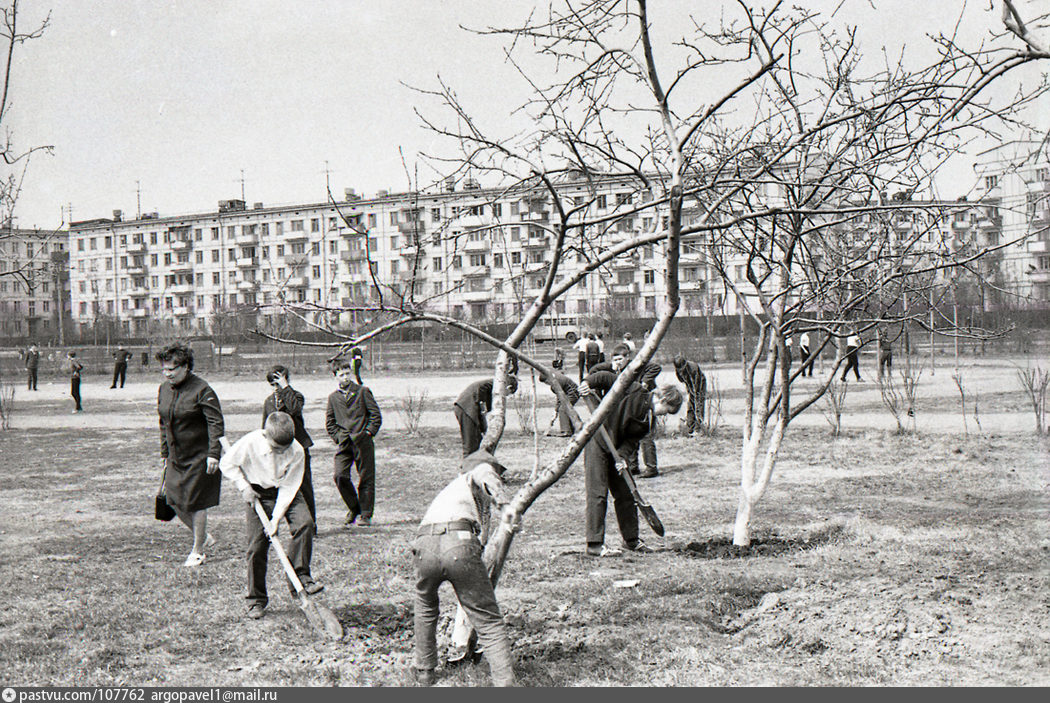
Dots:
pixel 879 559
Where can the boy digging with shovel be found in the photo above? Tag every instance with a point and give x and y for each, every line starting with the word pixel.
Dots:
pixel 267 465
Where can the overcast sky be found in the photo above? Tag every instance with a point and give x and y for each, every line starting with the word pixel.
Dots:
pixel 180 95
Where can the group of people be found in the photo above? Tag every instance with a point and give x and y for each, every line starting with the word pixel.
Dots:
pixel 31 359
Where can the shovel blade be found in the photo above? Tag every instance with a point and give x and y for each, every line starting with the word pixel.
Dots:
pixel 321 619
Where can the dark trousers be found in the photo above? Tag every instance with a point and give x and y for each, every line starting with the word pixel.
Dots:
pixel 694 414
pixel 307 489
pixel 300 550
pixel 470 432
pixel 852 363
pixel 807 361
pixel 456 557
pixel 30 379
pixel 885 363
pixel 119 372
pixel 362 501
pixel 74 390
pixel 562 412
pixel 601 479
pixel 648 446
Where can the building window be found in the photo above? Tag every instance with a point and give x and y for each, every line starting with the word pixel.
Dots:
pixel 457 261
pixel 371 219
pixel 315 248
pixel 435 214
pixel 315 225
pixel 649 277
pixel 152 238
pixel 990 182
pixel 280 250
pixel 497 260
pixel 601 202
pixel 316 271
pixel 515 257
pixel 393 217
pixel 436 261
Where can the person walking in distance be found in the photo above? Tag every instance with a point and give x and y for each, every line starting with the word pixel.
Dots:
pixel 75 367
pixel 32 361
pixel 689 373
pixel 852 356
pixel 120 365
pixel 352 419
pixel 286 399
pixel 447 548
pixel 471 408
pixel 885 355
pixel 266 465
pixel 580 345
pixel 806 354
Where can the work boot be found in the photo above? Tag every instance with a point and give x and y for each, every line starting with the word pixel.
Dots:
pixel 256 611
pixel 649 473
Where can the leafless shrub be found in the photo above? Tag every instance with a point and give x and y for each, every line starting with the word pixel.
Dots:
pixel 526 410
pixel 957 377
pixel 410 407
pixel 835 405
pixel 893 399
pixel 1035 382
pixel 7 405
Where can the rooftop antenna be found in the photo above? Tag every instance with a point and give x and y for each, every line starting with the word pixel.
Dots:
pixel 138 201
pixel 242 184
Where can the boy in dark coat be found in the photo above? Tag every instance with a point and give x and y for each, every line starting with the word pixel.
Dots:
pixel 352 419
pixel 632 419
pixel 470 409
pixel 288 400
pixel 689 373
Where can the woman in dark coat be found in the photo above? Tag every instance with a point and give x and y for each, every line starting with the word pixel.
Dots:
pixel 190 428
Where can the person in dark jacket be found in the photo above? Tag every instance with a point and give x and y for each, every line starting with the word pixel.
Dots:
pixel 75 367
pixel 120 365
pixel 470 409
pixel 632 419
pixel 561 413
pixel 352 419
pixel 288 400
pixel 191 426
pixel 618 359
pixel 689 373
pixel 32 361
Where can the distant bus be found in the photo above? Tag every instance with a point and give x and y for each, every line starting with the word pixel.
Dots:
pixel 567 327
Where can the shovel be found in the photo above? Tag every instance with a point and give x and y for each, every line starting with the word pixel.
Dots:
pixel 621 467
pixel 321 619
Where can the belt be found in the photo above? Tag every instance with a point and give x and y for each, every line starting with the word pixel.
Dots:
pixel 440 528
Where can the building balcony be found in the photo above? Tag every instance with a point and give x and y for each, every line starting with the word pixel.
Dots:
pixel 181 245
pixel 354 255
pixel 181 288
pixel 246 238
pixel 410 253
pixel 1039 247
pixel 1039 276
pixel 416 227
pixel 624 289
pixel 478 245
pixel 295 260
pixel 136 270
pixel 183 311
pixel 626 263
pixel 535 216
pixel 247 285
pixel 696 285
pixel 536 266
pixel 140 312
pixel 297 282
pixel 475 271
pixel 136 248
pixel 471 221
pixel 533 242
pixel 477 296
pixel 138 292
pixel 245 262
pixel 300 236
pixel 180 266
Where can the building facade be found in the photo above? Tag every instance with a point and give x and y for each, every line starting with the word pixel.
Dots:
pixel 474 254
pixel 34 286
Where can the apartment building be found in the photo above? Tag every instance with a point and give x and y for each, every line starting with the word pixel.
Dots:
pixel 471 253
pixel 34 285
pixel 1015 188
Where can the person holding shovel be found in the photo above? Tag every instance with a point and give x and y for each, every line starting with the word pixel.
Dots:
pixel 268 465
pixel 631 420
pixel 447 548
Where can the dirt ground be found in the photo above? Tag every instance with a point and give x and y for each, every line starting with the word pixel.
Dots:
pixel 879 558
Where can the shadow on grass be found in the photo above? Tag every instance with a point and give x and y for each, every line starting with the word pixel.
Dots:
pixel 761 546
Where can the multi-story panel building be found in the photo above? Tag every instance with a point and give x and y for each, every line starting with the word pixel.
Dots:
pixel 1015 187
pixel 474 254
pixel 34 285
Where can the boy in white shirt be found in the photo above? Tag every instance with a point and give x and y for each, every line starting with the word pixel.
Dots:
pixel 268 465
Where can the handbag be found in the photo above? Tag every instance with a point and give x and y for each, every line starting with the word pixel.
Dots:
pixel 161 510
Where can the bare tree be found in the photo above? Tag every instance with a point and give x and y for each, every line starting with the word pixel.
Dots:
pixel 781 177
